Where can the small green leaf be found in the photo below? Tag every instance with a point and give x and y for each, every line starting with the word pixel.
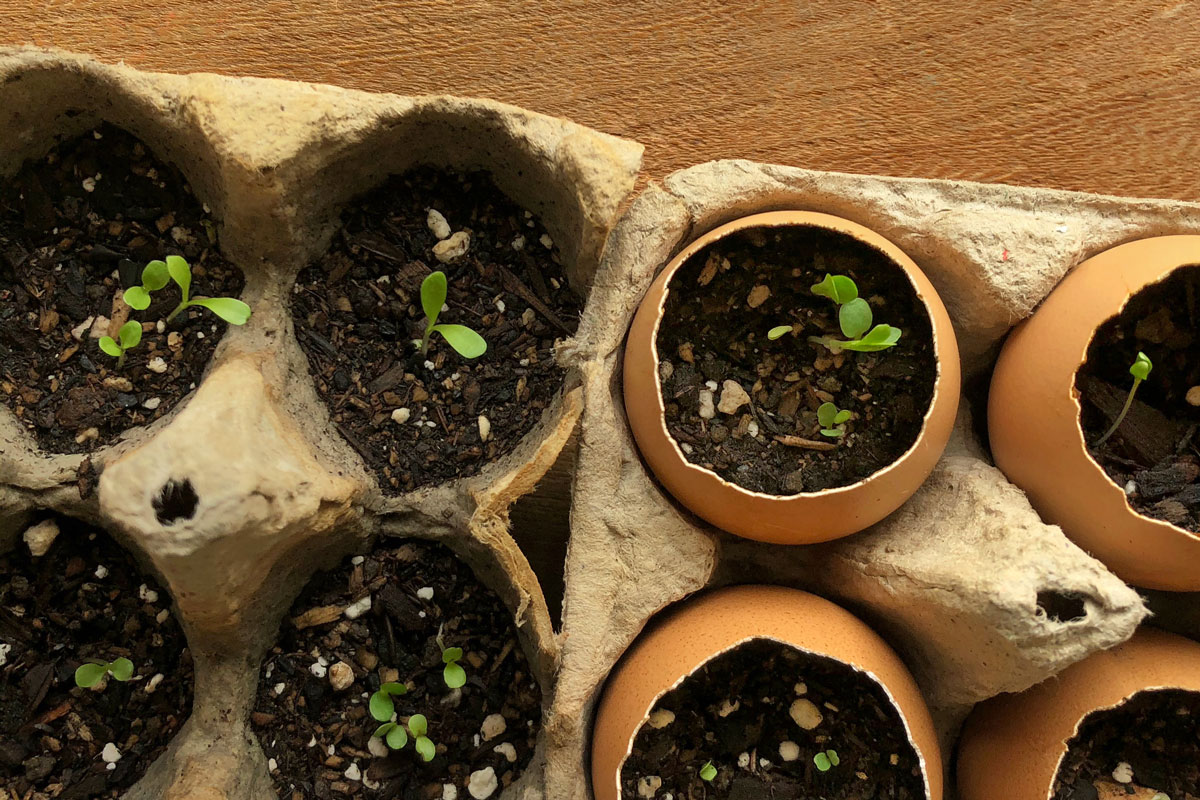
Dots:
pixel 842 416
pixel 855 318
pixel 778 331
pixel 397 738
pixel 394 688
pixel 111 347
pixel 1141 366
pixel 381 706
pixel 433 295
pixel 822 761
pixel 467 342
pixel 383 729
pixel 455 676
pixel 418 725
pixel 838 288
pixel 131 335
pixel 452 654
pixel 181 273
pixel 833 757
pixel 233 311
pixel 137 298
pixel 708 772
pixel 86 675
pixel 826 413
pixel 121 669
pixel 832 433
pixel 425 747
pixel 155 276
pixel 881 337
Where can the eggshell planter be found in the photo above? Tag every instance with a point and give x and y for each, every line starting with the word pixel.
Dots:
pixel 1018 741
pixel 807 517
pixel 693 634
pixel 964 580
pixel 1034 408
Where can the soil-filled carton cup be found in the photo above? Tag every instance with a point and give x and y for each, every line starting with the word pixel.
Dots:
pixel 686 642
pixel 1093 408
pixel 1016 746
pixel 791 377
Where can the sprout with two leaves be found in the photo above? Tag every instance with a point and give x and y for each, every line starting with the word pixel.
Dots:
pixel 827 760
pixel 854 318
pixel 156 275
pixel 467 342
pixel 89 674
pixel 708 772
pixel 128 338
pixel 832 420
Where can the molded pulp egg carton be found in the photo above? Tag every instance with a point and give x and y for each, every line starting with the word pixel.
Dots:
pixel 952 579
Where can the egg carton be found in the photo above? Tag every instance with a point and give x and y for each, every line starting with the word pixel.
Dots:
pixel 959 579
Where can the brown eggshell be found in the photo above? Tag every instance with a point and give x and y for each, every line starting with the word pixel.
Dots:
pixel 1012 745
pixel 1033 418
pixel 685 639
pixel 812 516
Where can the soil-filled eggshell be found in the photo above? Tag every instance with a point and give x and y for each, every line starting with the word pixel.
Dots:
pixel 1012 745
pixel 1033 418
pixel 685 638
pixel 807 517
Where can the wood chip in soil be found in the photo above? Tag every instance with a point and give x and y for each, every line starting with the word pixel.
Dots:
pixel 416 419
pixel 713 342
pixel 1154 454
pixel 1149 744
pixel 76 227
pixel 85 598
pixel 743 710
pixel 318 736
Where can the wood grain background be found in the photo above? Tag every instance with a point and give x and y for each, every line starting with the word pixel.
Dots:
pixel 1098 95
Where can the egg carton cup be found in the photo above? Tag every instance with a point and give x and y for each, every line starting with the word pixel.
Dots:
pixel 952 579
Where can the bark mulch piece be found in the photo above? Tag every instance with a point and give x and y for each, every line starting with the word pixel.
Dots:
pixel 1147 745
pixel 1153 455
pixel 85 598
pixel 319 738
pixel 714 334
pixel 76 227
pixel 742 712
pixel 357 311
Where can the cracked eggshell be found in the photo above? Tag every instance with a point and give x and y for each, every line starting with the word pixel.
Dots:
pixel 1017 741
pixel 686 638
pixel 1033 418
pixel 811 516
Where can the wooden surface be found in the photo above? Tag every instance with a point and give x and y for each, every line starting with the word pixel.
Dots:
pixel 1099 95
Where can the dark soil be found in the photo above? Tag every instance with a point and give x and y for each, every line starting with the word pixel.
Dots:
pixel 55 613
pixel 66 252
pixel 358 310
pixel 710 334
pixel 764 679
pixel 316 734
pixel 1153 455
pixel 1156 734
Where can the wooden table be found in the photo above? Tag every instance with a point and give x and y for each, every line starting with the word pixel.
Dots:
pixel 1098 95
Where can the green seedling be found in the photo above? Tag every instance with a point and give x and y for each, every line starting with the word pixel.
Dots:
pixel 708 772
pixel 1140 371
pixel 394 735
pixel 154 277
pixel 467 342
pixel 827 760
pixel 89 674
pixel 381 704
pixel 230 309
pixel 128 338
pixel 854 318
pixel 454 675
pixel 832 420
